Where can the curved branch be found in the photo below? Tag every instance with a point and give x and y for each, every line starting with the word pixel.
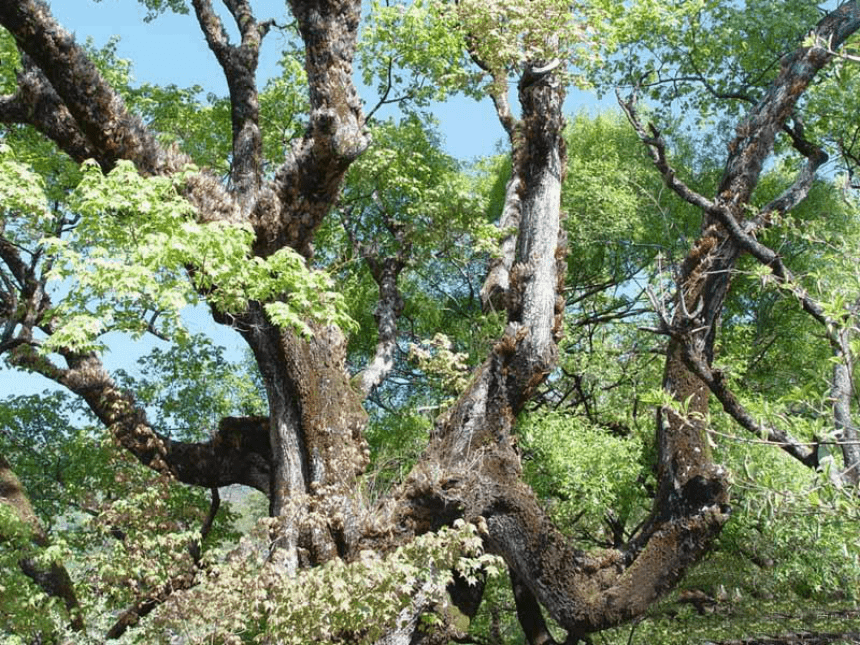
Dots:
pixel 53 579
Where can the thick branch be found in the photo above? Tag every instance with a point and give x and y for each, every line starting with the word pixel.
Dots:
pixel 97 109
pixel 53 579
pixel 754 138
pixel 841 392
pixel 240 66
pixel 37 103
pixel 529 613
pixel 308 182
pixel 494 291
pixel 237 454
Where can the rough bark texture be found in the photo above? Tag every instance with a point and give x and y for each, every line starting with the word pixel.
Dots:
pixel 54 580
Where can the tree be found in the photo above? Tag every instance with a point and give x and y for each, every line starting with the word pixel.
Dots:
pixel 138 230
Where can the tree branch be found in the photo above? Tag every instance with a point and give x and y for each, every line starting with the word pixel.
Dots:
pixel 36 103
pixel 388 309
pixel 97 109
pixel 656 146
pixel 308 182
pixel 239 452
pixel 239 64
pixel 53 579
pixel 716 383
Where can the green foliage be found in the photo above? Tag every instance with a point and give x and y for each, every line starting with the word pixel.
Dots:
pixel 251 599
pixel 581 470
pixel 714 48
pixel 191 385
pixel 119 529
pixel 506 35
pixel 414 49
pixel 406 183
pixel 58 461
pixel 396 443
pixel 22 191
pixel 788 516
pixel 619 217
pixel 131 249
pixel 27 610
pixel 199 128
pixel 284 106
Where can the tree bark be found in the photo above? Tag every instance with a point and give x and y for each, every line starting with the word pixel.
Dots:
pixel 841 393
pixel 53 579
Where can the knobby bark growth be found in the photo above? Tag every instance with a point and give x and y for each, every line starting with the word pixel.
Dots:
pixel 729 230
pixel 307 454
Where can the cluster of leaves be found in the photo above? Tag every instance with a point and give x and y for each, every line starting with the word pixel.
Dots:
pixel 413 51
pixel 439 362
pixel 583 472
pixel 26 608
pixel 249 598
pixel 122 532
pixel 172 382
pixel 133 244
pixel 507 35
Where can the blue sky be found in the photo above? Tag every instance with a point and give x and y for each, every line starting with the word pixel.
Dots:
pixel 171 49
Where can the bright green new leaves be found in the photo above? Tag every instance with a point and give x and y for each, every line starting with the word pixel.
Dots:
pixel 415 50
pixel 22 191
pixel 138 257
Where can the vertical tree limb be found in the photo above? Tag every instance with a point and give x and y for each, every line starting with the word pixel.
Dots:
pixel 53 579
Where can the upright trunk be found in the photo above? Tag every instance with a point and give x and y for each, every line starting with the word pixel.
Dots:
pixel 841 392
pixel 683 447
pixel 315 430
